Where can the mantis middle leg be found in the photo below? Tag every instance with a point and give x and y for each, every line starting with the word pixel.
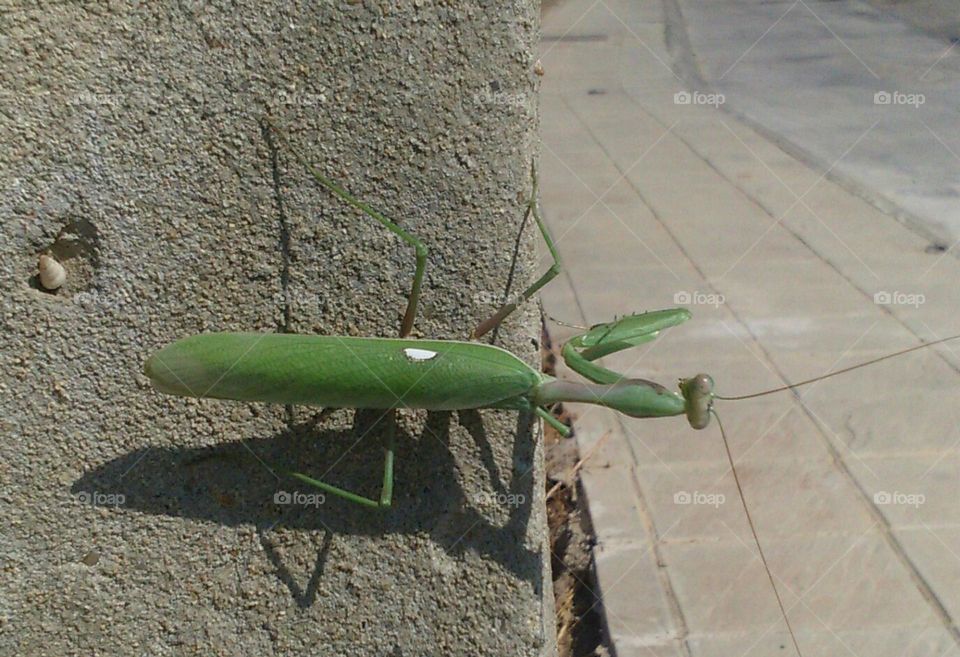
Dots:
pixel 504 311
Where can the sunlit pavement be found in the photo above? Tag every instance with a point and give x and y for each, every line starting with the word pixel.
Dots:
pixel 793 265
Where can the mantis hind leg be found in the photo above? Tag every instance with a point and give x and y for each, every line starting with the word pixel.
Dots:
pixel 406 325
pixel 386 488
pixel 504 311
pixel 340 192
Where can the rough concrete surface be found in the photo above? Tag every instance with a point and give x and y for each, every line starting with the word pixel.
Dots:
pixel 138 524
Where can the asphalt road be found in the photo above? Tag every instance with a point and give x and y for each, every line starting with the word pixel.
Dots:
pixel 846 87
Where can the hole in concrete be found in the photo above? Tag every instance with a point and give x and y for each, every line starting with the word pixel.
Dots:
pixel 76 247
pixel 936 247
pixel 596 92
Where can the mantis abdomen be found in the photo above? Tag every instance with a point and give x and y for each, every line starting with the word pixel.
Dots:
pixel 343 372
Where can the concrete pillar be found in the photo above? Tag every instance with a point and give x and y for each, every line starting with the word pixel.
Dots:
pixel 139 524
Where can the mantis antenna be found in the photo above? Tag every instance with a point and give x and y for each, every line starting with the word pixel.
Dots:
pixel 828 375
pixel 753 530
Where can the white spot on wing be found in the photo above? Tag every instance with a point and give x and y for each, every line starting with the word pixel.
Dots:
pixel 419 354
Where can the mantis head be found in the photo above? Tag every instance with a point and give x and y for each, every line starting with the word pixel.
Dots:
pixel 697 391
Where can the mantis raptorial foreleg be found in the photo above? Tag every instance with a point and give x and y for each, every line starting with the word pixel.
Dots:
pixel 603 339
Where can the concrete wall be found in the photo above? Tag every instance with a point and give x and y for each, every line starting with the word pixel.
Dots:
pixel 138 524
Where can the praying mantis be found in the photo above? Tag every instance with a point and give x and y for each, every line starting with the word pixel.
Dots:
pixel 443 375
pixel 435 375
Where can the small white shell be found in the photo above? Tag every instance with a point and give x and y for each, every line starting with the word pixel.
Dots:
pixel 52 273
pixel 538 68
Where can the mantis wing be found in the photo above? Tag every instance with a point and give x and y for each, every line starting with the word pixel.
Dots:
pixel 342 372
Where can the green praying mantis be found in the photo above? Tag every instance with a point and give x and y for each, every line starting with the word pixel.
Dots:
pixel 444 375
pixel 436 375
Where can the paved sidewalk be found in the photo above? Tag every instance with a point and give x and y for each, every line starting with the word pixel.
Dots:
pixel 852 483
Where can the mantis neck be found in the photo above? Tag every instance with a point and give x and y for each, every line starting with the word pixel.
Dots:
pixel 633 397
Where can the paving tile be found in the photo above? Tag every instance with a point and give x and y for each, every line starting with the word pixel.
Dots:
pixel 757 431
pixel 846 582
pixel 933 641
pixel 936 553
pixel 913 491
pixel 694 503
pixel 615 510
pixel 771 642
pixel 722 587
pixel 786 498
pixel 923 641
pixel 595 424
pixel 890 424
pixel 636 610
pixel 627 648
pixel 823 583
